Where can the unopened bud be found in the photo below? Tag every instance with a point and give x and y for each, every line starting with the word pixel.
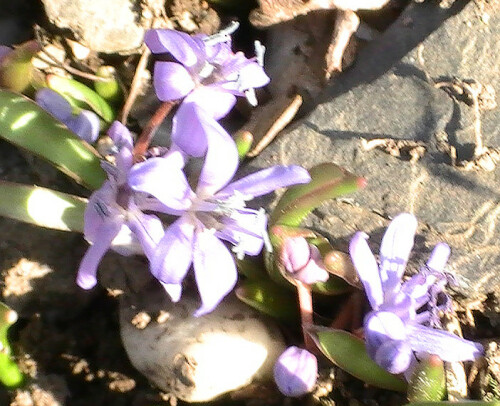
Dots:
pixel 295 372
pixel 303 261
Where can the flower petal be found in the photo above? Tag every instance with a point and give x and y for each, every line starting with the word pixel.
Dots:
pixel 395 356
pixel 99 208
pixel 213 99
pixel 266 181
pixel 148 229
pixel 395 251
pixel 174 290
pixel 172 81
pixel 163 179
pixel 214 269
pixel 246 229
pixel 54 103
pixel 221 160
pixel 367 268
pixel 189 130
pixel 439 257
pixel 86 125
pixel 447 346
pixel 87 271
pixel 252 75
pixel 120 135
pixel 182 46
pixel 174 253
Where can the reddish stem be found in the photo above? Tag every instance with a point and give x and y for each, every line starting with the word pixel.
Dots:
pixel 142 144
pixel 306 314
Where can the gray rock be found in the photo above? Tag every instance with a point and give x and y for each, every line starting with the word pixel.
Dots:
pixel 103 26
pixel 391 93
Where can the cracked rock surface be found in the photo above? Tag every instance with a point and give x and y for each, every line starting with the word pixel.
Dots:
pixel 390 93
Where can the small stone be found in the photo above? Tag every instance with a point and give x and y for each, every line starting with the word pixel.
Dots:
pixel 197 359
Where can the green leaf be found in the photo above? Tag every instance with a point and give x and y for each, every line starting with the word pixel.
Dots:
pixel 110 90
pixel 270 298
pixel 349 353
pixel 328 181
pixel 42 207
pixel 16 69
pixel 10 375
pixel 428 381
pixel 457 403
pixel 244 141
pixel 28 126
pixel 74 90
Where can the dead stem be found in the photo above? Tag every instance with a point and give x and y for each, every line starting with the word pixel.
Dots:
pixel 135 86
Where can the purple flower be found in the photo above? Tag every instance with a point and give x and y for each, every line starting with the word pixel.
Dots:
pixel 215 211
pixel 206 74
pixel 114 215
pixel 303 261
pixel 399 326
pixel 85 125
pixel 295 372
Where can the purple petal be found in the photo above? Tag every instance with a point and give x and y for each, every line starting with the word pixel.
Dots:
pixel 266 181
pixel 367 268
pixel 395 356
pixel 214 269
pixel 214 100
pixel 246 230
pixel 172 81
pixel 86 125
pixel 295 372
pixel 162 178
pixel 182 46
pixel 314 271
pixel 120 135
pixel 221 160
pixel 173 290
pixel 295 254
pixel 174 253
pixel 447 346
pixel 99 209
pixel 148 230
pixel 87 271
pixel 439 257
pixel 54 103
pixel 395 251
pixel 252 76
pixel 189 130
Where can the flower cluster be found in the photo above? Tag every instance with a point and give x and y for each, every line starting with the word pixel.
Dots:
pixel 122 213
pixel 401 325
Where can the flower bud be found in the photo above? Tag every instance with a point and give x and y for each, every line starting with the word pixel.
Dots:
pixel 303 261
pixel 295 372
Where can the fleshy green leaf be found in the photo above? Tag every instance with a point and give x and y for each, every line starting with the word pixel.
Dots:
pixel 243 140
pixel 10 375
pixel 269 298
pixel 76 91
pixel 16 69
pixel 42 207
pixel 110 90
pixel 457 403
pixel 428 381
pixel 349 353
pixel 328 181
pixel 28 126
